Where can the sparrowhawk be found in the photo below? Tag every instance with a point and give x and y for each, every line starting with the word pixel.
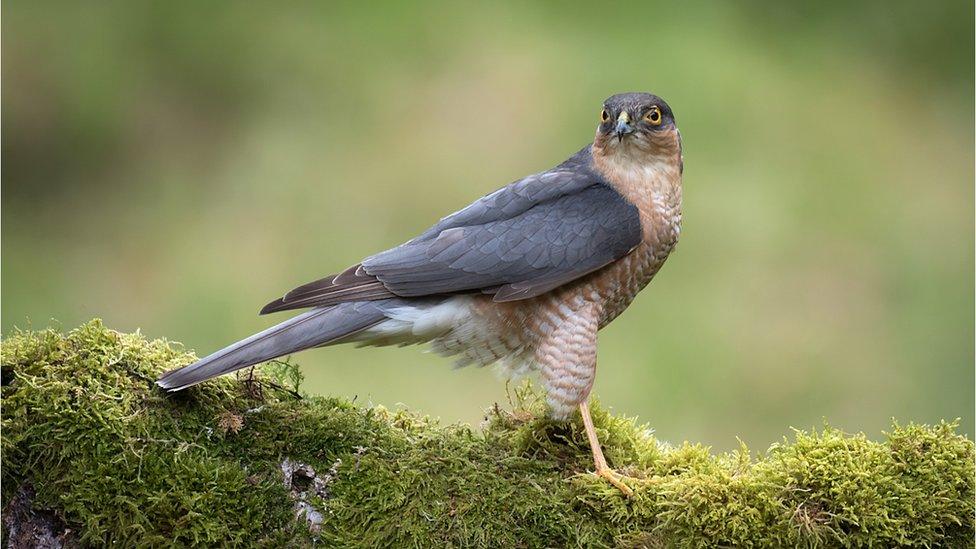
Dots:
pixel 523 277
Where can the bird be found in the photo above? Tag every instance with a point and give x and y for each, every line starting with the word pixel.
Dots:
pixel 523 277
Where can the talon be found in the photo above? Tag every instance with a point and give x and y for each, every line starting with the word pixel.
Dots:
pixel 616 479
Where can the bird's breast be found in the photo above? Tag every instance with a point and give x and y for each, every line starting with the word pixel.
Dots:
pixel 655 189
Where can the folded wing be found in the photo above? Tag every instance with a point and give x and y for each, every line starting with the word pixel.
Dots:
pixel 516 243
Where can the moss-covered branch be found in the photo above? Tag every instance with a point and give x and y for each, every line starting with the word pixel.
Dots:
pixel 233 463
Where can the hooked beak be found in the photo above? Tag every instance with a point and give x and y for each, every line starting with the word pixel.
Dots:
pixel 623 126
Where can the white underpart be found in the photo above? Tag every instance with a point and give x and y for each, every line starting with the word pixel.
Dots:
pixel 418 323
pixel 452 329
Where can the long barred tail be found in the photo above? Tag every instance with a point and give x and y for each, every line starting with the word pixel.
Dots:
pixel 315 328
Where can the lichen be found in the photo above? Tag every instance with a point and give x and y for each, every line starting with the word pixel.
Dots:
pixel 122 462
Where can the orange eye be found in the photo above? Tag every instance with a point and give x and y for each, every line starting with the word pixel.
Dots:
pixel 653 116
pixel 604 115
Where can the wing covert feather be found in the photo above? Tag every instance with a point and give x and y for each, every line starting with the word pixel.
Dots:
pixel 543 247
pixel 523 240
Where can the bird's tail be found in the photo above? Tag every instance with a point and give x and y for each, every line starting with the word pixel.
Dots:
pixel 312 329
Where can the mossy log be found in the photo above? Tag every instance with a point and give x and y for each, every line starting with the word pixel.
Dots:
pixel 97 453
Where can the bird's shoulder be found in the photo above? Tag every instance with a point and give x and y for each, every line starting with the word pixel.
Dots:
pixel 574 175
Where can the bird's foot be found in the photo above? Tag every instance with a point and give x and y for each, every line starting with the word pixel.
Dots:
pixel 602 469
pixel 614 478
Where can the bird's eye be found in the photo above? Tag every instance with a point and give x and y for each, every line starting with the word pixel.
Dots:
pixel 653 116
pixel 604 115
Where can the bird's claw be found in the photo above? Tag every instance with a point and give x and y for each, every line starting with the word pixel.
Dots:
pixel 616 479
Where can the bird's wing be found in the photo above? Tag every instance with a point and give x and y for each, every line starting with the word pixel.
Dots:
pixel 543 247
pixel 519 242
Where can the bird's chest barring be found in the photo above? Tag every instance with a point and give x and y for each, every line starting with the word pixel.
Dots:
pixel 620 284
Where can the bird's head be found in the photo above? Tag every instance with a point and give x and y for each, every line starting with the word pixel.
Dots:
pixel 637 124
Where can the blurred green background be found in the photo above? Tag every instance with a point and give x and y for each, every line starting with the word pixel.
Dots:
pixel 172 166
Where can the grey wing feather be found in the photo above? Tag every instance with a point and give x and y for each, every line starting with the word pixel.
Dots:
pixel 349 285
pixel 592 228
pixel 518 242
pixel 516 198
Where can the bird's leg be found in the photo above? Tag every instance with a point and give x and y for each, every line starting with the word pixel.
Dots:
pixel 602 469
pixel 567 356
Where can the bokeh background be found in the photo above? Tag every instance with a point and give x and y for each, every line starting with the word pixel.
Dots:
pixel 172 166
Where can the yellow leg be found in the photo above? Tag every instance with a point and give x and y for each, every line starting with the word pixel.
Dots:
pixel 602 469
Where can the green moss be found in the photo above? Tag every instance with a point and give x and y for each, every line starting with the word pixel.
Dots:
pixel 122 462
